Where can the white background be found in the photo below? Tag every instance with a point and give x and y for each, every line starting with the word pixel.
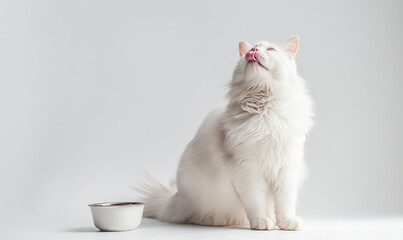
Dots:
pixel 92 93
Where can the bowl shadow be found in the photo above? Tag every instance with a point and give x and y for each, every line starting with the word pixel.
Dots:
pixel 81 230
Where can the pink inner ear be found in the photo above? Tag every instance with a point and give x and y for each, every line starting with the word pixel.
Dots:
pixel 243 48
pixel 291 45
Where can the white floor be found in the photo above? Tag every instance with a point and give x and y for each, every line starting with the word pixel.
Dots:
pixel 380 228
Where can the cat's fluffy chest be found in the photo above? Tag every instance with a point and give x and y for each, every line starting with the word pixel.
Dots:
pixel 267 137
pixel 279 122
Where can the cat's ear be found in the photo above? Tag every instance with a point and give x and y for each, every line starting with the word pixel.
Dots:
pixel 243 48
pixel 291 46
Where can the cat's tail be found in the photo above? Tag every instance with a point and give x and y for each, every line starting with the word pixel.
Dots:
pixel 155 196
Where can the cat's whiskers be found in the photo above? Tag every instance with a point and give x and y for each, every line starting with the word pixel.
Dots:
pixel 260 64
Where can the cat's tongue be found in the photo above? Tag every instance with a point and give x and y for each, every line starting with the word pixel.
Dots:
pixel 251 56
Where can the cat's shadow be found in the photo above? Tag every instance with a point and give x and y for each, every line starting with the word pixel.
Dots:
pixel 152 223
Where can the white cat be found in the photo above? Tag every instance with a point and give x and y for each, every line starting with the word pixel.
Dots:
pixel 245 163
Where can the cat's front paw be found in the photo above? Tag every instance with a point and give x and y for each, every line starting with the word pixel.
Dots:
pixel 265 223
pixel 290 223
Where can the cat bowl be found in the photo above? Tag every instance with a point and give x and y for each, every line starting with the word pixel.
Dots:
pixel 117 216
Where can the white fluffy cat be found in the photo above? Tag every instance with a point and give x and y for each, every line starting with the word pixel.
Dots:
pixel 245 164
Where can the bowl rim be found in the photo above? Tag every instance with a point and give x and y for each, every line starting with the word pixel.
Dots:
pixel 114 204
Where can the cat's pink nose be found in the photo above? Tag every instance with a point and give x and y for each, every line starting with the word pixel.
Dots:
pixel 251 56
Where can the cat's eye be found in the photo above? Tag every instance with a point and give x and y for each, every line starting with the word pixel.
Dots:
pixel 271 49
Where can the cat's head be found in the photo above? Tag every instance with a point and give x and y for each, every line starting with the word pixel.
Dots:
pixel 274 61
pixel 267 70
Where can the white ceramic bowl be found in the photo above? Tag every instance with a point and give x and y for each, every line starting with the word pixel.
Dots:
pixel 117 216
